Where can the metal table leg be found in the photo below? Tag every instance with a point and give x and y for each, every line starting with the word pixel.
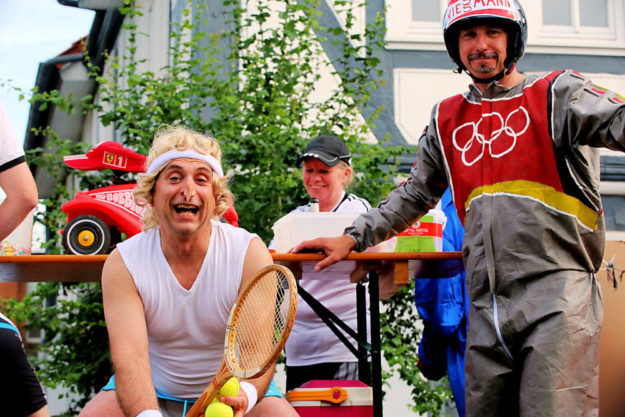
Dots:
pixel 369 373
pixel 376 351
pixel 364 371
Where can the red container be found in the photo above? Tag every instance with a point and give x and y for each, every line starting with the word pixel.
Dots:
pixel 332 398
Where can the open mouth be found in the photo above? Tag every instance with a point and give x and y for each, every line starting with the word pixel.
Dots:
pixel 186 209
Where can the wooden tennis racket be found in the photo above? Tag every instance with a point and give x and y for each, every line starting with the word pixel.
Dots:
pixel 258 327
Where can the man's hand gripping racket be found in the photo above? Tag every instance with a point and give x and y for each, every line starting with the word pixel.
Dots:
pixel 259 325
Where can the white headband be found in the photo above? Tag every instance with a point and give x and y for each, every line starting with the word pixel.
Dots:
pixel 189 153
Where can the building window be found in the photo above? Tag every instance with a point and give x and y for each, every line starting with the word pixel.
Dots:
pixel 577 26
pixel 415 24
pixel 614 213
pixel 613 201
pixel 557 12
pixel 576 13
pixel 593 13
pixel 426 11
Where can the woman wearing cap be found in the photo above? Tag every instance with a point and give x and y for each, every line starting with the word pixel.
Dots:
pixel 313 351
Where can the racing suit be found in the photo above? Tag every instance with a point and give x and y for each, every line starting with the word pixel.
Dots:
pixel 523 167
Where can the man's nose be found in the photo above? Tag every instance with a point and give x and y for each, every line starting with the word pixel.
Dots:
pixel 188 189
pixel 481 41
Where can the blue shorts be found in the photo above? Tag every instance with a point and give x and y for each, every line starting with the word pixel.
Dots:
pixel 272 391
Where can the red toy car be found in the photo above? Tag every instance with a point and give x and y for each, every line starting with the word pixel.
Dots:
pixel 96 219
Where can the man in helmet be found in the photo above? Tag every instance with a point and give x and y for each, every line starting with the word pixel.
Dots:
pixel 519 154
pixel 508 39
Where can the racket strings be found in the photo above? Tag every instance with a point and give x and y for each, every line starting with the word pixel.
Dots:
pixel 262 322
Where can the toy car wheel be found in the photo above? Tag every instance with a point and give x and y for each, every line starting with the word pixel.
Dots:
pixel 86 235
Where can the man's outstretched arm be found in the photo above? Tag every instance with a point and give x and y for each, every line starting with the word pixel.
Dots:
pixel 336 249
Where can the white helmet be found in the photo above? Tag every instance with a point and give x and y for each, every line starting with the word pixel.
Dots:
pixel 507 13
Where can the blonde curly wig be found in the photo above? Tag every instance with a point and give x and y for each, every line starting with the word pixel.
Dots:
pixel 180 139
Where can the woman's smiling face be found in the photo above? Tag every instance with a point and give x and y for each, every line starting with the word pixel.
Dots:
pixel 324 182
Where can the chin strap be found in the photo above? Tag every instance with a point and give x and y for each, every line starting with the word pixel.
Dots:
pixel 496 77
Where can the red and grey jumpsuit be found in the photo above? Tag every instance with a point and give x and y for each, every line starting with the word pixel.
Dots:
pixel 524 170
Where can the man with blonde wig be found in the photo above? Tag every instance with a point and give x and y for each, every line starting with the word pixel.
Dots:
pixel 168 291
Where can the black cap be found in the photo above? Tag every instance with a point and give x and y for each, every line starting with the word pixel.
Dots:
pixel 328 149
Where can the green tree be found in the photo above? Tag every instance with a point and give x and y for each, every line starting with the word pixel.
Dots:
pixel 259 104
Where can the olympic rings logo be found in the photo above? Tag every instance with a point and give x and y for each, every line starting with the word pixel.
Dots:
pixel 477 140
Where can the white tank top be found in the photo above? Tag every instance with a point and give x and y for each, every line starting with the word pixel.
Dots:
pixel 186 328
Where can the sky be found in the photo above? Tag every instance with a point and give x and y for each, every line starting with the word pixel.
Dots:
pixel 33 31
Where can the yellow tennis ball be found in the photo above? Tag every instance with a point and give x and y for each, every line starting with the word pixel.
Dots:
pixel 218 409
pixel 230 388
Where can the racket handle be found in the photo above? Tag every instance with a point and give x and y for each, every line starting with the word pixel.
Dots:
pixel 199 407
pixel 211 391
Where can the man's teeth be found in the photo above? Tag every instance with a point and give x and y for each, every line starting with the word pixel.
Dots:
pixel 186 209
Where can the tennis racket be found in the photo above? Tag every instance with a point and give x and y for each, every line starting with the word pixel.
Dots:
pixel 258 327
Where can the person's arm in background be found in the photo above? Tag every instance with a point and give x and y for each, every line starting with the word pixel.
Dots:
pixel 21 197
pixel 15 179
